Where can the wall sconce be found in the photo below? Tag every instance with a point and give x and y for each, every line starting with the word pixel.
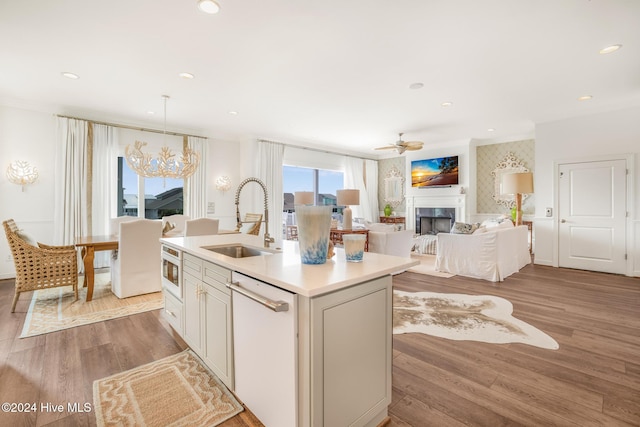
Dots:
pixel 22 173
pixel 223 183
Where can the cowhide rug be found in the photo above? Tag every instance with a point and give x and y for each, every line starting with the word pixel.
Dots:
pixel 483 318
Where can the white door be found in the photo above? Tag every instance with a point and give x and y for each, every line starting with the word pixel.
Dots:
pixel 592 212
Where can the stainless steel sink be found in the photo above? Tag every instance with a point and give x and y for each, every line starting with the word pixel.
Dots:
pixel 237 251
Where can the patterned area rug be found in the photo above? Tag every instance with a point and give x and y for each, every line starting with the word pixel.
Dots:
pixel 177 391
pixel 427 266
pixel 483 318
pixel 55 309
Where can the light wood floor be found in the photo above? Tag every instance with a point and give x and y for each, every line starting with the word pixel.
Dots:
pixel 593 379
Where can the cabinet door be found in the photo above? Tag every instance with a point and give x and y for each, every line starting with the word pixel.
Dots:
pixel 218 344
pixel 173 311
pixel 192 330
pixel 351 341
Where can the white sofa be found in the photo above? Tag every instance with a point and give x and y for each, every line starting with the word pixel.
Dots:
pixel 387 239
pixel 491 254
pixel 397 243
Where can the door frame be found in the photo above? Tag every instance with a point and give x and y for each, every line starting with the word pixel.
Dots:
pixel 630 202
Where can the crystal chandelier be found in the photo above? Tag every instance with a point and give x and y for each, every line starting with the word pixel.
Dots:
pixel 166 164
pixel 22 173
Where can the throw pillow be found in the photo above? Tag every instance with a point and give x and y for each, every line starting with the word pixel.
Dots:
pixel 168 226
pixel 463 228
pixel 494 222
pixel 27 238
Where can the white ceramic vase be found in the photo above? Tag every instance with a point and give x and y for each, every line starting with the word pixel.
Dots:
pixel 314 223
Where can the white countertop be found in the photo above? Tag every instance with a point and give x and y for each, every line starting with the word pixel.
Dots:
pixel 284 269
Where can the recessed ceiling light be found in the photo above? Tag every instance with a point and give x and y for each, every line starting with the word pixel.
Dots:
pixel 186 75
pixel 416 85
pixel 233 113
pixel 610 49
pixel 447 104
pixel 151 113
pixel 208 6
pixel 70 75
pixel 491 130
pixel 585 98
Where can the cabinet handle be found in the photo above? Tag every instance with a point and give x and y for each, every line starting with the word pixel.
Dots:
pixel 276 306
pixel 170 313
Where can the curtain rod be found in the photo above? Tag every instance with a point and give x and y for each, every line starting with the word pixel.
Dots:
pixel 131 127
pixel 317 150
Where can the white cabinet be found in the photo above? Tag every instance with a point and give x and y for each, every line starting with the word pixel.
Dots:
pixel 327 362
pixel 173 311
pixel 351 351
pixel 207 315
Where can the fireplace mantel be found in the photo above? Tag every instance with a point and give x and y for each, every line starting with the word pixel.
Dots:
pixel 457 201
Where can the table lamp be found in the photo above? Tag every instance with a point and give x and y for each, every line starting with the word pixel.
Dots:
pixel 518 184
pixel 347 198
pixel 303 198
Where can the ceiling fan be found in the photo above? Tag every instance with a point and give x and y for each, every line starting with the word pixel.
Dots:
pixel 402 146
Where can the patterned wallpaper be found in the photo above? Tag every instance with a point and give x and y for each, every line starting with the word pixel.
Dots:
pixel 488 157
pixel 384 166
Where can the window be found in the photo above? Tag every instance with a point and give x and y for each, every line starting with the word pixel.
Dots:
pixel 322 182
pixel 160 197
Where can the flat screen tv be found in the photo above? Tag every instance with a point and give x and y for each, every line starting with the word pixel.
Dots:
pixel 436 172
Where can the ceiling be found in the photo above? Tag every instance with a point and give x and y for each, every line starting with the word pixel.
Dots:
pixel 334 74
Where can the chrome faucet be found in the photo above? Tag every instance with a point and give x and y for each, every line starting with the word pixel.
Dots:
pixel 267 238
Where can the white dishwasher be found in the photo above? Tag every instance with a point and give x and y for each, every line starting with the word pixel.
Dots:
pixel 265 350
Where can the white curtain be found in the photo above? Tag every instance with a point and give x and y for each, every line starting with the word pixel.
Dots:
pixel 195 200
pixel 70 185
pixel 270 172
pixel 104 185
pixel 354 179
pixel 371 183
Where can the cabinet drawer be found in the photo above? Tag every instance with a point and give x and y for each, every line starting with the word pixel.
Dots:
pixel 172 311
pixel 192 265
pixel 217 277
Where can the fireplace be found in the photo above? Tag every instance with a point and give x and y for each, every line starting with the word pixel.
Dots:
pixel 434 220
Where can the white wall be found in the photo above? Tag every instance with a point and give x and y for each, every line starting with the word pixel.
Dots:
pixel 26 135
pixel 30 135
pixel 224 159
pixel 606 134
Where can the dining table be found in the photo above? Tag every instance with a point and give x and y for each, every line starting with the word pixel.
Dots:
pixel 90 245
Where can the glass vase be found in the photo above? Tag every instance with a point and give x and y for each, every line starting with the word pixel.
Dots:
pixel 314 223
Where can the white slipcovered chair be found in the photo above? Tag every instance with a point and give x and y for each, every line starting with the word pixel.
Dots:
pixel 201 227
pixel 178 222
pixel 135 267
pixel 396 243
pixel 489 253
pixel 114 223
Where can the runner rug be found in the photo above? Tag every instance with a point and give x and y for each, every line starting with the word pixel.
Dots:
pixel 483 318
pixel 56 308
pixel 175 391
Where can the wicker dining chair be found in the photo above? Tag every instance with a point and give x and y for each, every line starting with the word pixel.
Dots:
pixel 40 266
pixel 256 220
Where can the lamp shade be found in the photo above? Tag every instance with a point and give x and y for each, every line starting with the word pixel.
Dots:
pixel 348 197
pixel 303 198
pixel 517 183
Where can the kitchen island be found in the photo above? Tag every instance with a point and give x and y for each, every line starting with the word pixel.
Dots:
pixel 300 345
